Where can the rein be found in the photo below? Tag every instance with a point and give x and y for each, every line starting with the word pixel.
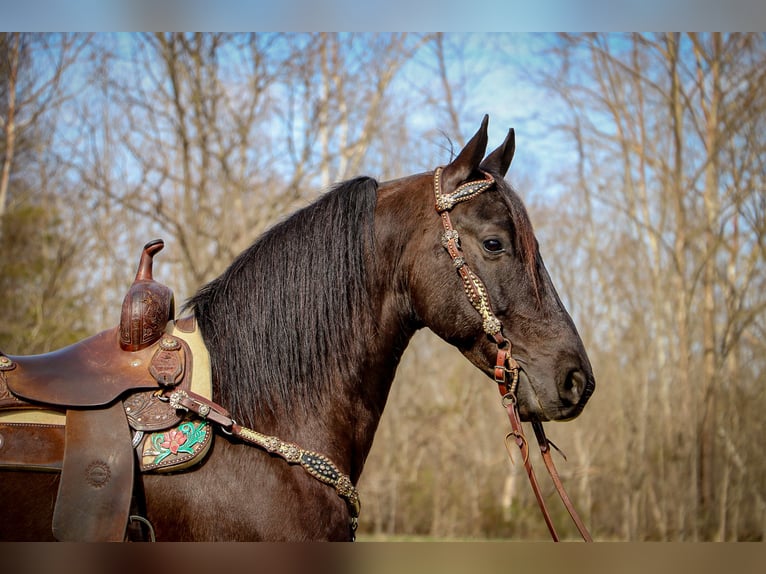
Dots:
pixel 506 371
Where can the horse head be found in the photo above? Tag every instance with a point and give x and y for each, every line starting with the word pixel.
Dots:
pixel 496 239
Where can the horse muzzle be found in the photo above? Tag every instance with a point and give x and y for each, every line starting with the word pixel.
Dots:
pixel 542 403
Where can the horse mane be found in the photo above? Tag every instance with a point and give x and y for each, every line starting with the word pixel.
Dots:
pixel 282 322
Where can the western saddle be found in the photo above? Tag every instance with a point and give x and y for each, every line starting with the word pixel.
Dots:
pixel 97 411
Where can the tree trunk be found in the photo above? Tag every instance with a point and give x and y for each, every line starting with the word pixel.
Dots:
pixel 9 124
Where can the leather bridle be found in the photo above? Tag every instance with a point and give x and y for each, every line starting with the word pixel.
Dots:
pixel 506 370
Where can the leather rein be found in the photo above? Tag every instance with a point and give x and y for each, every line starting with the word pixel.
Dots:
pixel 507 369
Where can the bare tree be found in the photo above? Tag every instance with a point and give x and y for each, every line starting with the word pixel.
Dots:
pixel 11 71
pixel 652 116
pixel 37 281
pixel 209 138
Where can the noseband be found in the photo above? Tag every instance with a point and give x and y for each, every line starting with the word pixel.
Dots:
pixel 506 370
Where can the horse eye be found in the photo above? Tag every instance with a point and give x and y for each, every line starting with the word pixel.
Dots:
pixel 493 246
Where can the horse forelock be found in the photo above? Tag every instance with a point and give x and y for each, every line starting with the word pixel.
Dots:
pixel 284 320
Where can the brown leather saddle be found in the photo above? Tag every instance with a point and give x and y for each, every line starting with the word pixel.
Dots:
pixel 96 411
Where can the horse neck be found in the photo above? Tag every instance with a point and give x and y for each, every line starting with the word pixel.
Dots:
pixel 342 425
pixel 401 217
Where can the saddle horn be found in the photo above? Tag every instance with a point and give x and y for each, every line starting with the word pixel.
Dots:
pixel 148 305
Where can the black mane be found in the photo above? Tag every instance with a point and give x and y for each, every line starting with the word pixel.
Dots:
pixel 281 321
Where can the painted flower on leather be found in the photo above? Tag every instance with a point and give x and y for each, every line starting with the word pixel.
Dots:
pixel 183 439
pixel 173 440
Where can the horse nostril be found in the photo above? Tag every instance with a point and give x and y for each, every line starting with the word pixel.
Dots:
pixel 574 385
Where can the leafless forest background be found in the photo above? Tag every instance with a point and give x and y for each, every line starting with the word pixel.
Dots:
pixel 646 191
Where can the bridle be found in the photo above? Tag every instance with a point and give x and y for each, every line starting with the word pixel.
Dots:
pixel 506 369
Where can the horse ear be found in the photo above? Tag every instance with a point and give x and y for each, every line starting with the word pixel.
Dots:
pixel 500 160
pixel 467 162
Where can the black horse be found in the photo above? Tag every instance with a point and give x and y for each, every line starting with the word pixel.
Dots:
pixel 307 326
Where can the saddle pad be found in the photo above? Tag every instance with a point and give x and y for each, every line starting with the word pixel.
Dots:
pixel 187 330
